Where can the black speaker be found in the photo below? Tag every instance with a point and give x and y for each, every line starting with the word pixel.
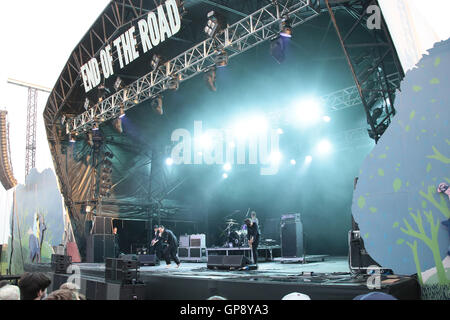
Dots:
pixel 99 247
pixel 102 225
pixel 119 270
pixel 148 260
pixel 133 292
pixel 60 263
pixel 215 262
pixel 227 262
pixel 195 252
pixel 183 252
pixel 291 237
pixel 359 258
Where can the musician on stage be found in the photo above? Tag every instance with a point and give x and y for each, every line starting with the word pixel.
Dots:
pixel 169 244
pixel 253 238
pixel 155 245
pixel 255 220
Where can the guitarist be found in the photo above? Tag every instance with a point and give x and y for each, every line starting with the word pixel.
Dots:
pixel 155 245
pixel 253 238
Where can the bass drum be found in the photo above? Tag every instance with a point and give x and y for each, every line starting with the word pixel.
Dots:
pixel 234 240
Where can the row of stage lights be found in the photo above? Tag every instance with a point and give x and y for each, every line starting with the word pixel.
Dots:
pixel 216 23
pixel 323 148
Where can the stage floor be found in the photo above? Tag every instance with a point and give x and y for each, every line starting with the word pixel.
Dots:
pixel 265 269
pixel 327 279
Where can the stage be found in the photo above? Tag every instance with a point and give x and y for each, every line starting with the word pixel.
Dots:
pixel 325 280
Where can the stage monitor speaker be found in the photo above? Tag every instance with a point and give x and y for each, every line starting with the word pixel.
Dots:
pixel 227 262
pixel 148 260
pixel 215 262
pixel 99 247
pixel 102 225
pixel 183 252
pixel 291 238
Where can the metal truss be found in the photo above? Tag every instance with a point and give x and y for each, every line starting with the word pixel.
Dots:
pixel 30 155
pixel 258 27
pixel 349 97
pixel 370 60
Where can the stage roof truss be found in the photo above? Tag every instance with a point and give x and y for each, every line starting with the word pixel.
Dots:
pixel 256 28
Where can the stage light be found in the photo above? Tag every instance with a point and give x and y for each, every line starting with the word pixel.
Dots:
pixel 280 131
pixel 95 127
pixel 221 59
pixel 122 112
pixel 169 161
pixel 227 167
pixel 257 124
pixel 278 49
pixel 308 111
pixel 109 155
pixel 156 60
pixel 326 118
pixel 215 23
pixel 86 104
pixel 324 147
pixel 293 162
pixel 225 176
pixel 157 105
pixel 210 78
pixel 308 159
pixel 173 82
pixel 275 157
pixel 103 91
pixel 286 28
pixel 71 138
pixel 118 84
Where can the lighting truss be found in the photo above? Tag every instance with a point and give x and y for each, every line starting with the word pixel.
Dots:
pixel 235 39
pixel 348 97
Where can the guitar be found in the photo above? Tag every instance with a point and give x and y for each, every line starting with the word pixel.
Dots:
pixel 250 242
pixel 154 241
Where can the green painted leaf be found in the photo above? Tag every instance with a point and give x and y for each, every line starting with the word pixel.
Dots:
pixel 400 241
pixel 435 81
pixel 397 184
pixel 408 128
pixel 412 114
pixel 428 167
pixel 417 88
pixel 424 204
pixel 373 210
pixel 383 156
pixel 381 172
pixel 396 224
pixel 361 202
pixel 437 62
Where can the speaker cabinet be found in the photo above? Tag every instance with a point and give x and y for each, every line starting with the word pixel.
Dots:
pixel 102 225
pixel 291 238
pixel 148 260
pixel 99 247
pixel 183 252
pixel 227 262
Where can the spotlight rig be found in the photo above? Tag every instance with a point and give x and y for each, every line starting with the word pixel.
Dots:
pixel 216 23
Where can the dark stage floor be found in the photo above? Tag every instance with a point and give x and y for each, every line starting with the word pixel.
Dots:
pixel 330 279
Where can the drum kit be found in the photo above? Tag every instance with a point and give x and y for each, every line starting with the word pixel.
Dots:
pixel 236 234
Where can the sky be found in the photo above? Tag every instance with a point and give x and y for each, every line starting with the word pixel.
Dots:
pixel 38 37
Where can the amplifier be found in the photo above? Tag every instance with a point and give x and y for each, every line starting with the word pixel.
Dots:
pixel 184 241
pixel 198 240
pixel 183 252
pixel 290 217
